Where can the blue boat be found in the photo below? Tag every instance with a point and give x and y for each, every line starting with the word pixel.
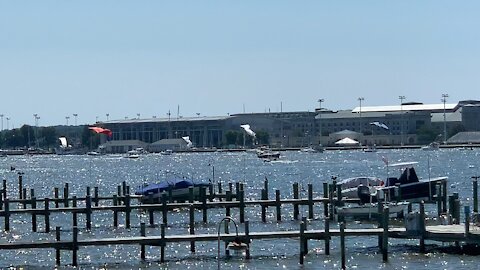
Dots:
pixel 177 189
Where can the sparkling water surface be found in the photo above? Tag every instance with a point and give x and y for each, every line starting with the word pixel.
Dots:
pixel 43 173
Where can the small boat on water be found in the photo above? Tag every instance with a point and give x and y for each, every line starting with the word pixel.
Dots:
pixel 431 147
pixel 369 210
pixel 176 188
pixel 408 186
pixel 350 185
pixel 167 152
pixel 267 154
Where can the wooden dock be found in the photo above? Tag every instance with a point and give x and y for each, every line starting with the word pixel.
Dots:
pixel 121 203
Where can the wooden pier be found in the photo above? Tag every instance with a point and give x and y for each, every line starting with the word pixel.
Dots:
pixel 121 203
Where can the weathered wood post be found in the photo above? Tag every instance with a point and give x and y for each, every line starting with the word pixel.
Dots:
pixel 263 207
pixel 74 213
pixel 265 187
pixel 385 216
pixel 65 195
pixel 237 189
pixel 305 242
pixel 142 246
pixel 20 185
pixel 247 239
pixel 192 226
pixel 295 205
pixel 75 246
pixel 310 201
pixel 325 199
pixel 302 239
pixel 6 215
pixel 162 243
pixel 342 244
pixel 24 198
pixel 34 215
pixel 444 195
pixel 422 227
pixel 57 250
pixel 128 210
pixel 278 205
pixel 242 206
pixel 228 198
pixel 380 219
pixel 211 192
pixel 115 211
pixel 327 236
pixel 164 209
pixel 55 195
pixel 151 217
pixel 46 214
pixel 96 199
pixel 124 188
pixel 339 195
pixel 220 191
pixel 331 204
pixel 88 212
pixel 203 192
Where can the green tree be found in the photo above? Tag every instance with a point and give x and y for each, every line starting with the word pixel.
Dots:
pixel 263 137
pixel 49 136
pixel 231 137
pixel 14 138
pixel 28 135
pixel 426 135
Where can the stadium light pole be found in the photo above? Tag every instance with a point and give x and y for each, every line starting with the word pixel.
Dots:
pixel 1 115
pixel 444 100
pixel 320 100
pixel 401 118
pixel 360 99
pixel 75 115
pixel 66 118
pixel 8 119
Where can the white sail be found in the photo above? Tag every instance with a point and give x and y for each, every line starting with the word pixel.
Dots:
pixel 248 130
pixel 63 142
pixel 187 140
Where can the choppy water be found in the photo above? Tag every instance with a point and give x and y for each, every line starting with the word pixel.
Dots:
pixel 43 173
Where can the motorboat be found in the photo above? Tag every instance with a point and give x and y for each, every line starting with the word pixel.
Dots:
pixel 350 185
pixel 167 152
pixel 177 189
pixel 370 148
pixel 369 210
pixel 407 187
pixel 267 154
pixel 431 147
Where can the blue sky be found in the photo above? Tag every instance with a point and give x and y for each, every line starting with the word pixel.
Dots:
pixel 91 58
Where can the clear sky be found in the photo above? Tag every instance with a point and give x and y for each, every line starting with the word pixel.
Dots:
pixel 58 58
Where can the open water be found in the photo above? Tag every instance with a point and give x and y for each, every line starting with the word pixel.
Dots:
pixel 43 173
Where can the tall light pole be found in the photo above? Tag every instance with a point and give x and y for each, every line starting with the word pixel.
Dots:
pixel 66 118
pixel 320 100
pixel 75 115
pixel 444 100
pixel 8 119
pixel 36 129
pixel 401 118
pixel 360 99
pixel 138 116
pixel 107 115
pixel 1 115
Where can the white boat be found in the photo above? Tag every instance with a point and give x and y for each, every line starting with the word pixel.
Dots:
pixel 177 188
pixel 267 154
pixel 431 147
pixel 350 185
pixel 167 152
pixel 369 210
pixel 370 148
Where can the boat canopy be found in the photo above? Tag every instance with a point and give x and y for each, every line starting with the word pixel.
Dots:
pixel 403 164
pixel 347 141
pixel 174 183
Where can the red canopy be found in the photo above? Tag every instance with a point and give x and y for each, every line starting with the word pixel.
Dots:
pixel 108 132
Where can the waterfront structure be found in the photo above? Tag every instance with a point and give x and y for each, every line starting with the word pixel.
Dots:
pixel 303 128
